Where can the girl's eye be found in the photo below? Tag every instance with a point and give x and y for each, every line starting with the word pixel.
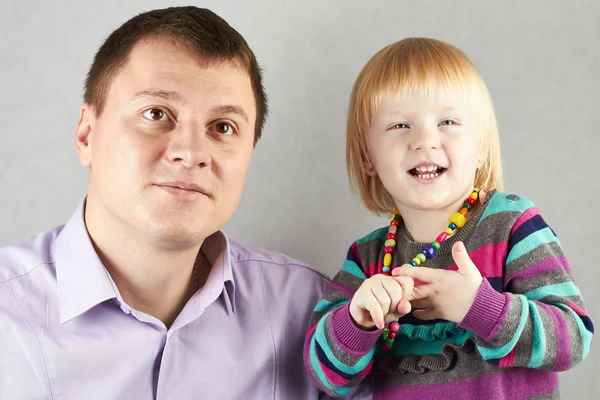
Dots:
pixel 155 114
pixel 224 128
pixel 400 126
pixel 448 122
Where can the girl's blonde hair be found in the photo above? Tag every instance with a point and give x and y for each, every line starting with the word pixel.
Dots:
pixel 408 68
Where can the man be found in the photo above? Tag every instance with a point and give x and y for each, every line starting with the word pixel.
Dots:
pixel 140 295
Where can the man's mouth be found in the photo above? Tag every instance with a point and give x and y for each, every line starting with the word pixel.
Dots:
pixel 427 171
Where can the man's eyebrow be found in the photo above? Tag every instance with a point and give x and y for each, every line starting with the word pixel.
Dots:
pixel 231 109
pixel 163 94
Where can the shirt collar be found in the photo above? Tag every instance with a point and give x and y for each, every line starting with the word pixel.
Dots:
pixel 217 250
pixel 84 282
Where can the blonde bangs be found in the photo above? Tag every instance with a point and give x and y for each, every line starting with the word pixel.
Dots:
pixel 416 67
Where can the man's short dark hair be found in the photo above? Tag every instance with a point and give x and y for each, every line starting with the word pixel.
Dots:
pixel 208 35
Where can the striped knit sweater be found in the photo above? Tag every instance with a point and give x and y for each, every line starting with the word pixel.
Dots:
pixel 527 322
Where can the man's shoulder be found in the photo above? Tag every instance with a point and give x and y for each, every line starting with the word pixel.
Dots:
pixel 19 259
pixel 276 262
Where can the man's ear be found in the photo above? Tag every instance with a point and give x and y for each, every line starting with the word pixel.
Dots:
pixel 83 134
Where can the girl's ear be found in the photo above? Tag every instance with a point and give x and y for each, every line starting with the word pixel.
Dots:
pixel 368 164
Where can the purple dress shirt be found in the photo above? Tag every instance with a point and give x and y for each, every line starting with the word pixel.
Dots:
pixel 66 333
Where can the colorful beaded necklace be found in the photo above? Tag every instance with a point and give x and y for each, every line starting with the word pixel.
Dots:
pixel 456 220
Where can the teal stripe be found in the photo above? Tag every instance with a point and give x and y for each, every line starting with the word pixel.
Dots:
pixel 564 289
pixel 348 369
pixel 316 367
pixel 586 336
pixel 488 353
pixel 441 330
pixel 404 346
pixel 536 239
pixel 353 269
pixel 538 350
pixel 380 233
pixel 499 203
pixel 326 305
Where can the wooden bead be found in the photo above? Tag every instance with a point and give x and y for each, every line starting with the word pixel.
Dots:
pixel 387 260
pixel 428 251
pixel 457 219
pixel 442 237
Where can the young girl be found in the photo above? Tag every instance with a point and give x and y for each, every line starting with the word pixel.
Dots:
pixel 467 294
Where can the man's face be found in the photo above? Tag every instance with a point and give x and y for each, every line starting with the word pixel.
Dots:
pixel 170 151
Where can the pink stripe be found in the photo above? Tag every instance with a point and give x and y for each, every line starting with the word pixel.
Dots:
pixel 509 359
pixel 338 380
pixel 511 383
pixel 580 311
pixel 528 214
pixel 489 259
pixel 371 270
pixel 306 352
pixel 356 253
pixel 544 266
pixel 366 371
pixel 332 377
pixel 563 342
pixel 348 291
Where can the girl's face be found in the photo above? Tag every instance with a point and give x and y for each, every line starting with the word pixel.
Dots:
pixel 426 150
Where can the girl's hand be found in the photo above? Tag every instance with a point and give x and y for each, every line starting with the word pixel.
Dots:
pixel 381 299
pixel 446 294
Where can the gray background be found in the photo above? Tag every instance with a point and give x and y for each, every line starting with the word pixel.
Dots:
pixel 540 60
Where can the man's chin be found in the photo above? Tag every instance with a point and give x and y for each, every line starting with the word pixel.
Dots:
pixel 184 234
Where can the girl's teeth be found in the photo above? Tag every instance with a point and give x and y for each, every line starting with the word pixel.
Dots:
pixel 428 176
pixel 426 168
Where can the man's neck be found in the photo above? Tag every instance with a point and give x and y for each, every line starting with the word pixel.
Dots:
pixel 153 279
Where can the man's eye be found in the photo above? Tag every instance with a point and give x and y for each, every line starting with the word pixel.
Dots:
pixel 224 128
pixel 155 114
